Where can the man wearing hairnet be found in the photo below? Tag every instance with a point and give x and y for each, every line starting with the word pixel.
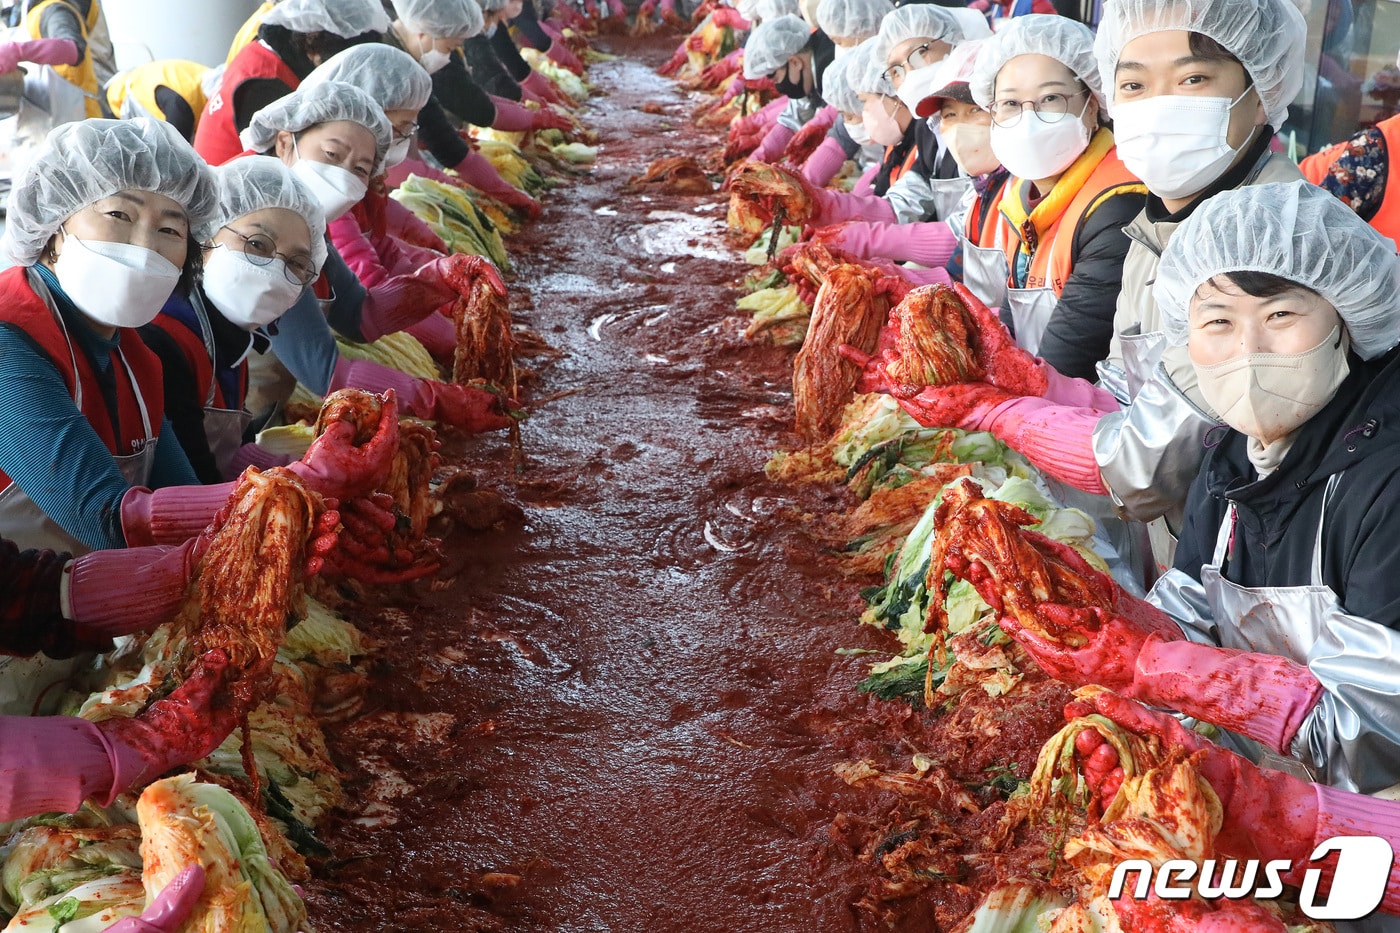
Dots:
pixel 1281 620
pixel 295 36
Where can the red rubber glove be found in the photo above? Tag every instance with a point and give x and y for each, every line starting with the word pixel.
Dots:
pixel 520 202
pixel 647 10
pixel 462 274
pixel 335 467
pixel 178 729
pixel 1007 365
pixel 547 119
pixel 171 907
pixel 371 551
pixel 723 70
pixel 954 406
pixel 38 51
pixel 470 408
pixel 560 54
pixel 730 17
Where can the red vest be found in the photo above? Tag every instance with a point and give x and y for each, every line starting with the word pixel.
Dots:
pixel 216 138
pixel 20 306
pixel 191 344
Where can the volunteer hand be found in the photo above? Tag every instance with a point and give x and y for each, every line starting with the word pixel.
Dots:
pixel 1267 814
pixel 171 907
pixel 1007 365
pixel 183 727
pixel 470 408
pixel 462 272
pixel 334 466
pixel 371 552
pixel 126 590
pixel 647 10
pixel 519 202
pixel 804 142
pixel 730 17
pixel 720 71
pixel 961 405
pixel 547 119
pixel 874 377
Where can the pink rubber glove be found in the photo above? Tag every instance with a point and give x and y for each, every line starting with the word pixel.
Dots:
pixel 833 207
pixel 865 185
pixel 468 407
pixel 716 74
pixel 400 257
pixel 1263 696
pixel 171 515
pixel 774 142
pixel 1076 393
pixel 647 10
pixel 928 244
pixel 1267 814
pixel 477 171
pixel 117 592
pixel 547 118
pixel 355 247
pixel 437 335
pixel 53 763
pixel 617 8
pixel 729 16
pixel 38 51
pixel 561 55
pixel 168 912
pixel 406 227
pixel 543 88
pixel 253 455
pixel 736 87
pixel 512 117
pixel 398 174
pixel 823 164
pixel 1058 439
pixel 338 469
pixel 404 300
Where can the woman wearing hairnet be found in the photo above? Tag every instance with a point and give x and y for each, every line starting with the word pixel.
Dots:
pixel 1287 579
pixel 919 180
pixel 847 139
pixel 333 137
pixel 432 32
pixel 264 245
pixel 295 37
pixel 171 89
pixel 544 38
pixel 1195 87
pixel 495 62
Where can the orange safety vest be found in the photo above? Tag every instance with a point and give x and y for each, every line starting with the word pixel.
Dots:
pixel 981 228
pixel 1052 248
pixel 24 309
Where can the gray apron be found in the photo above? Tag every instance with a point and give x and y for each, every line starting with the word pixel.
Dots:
pixel 25 682
pixel 985 272
pixel 948 193
pixel 1141 354
pixel 1030 309
pixel 223 427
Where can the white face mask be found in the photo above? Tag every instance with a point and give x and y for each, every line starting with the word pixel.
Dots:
pixel 858 133
pixel 337 189
pixel 917 85
pixel 396 153
pixel 880 123
pixel 116 284
pixel 1268 396
pixel 971 146
pixel 434 61
pixel 1033 149
pixel 1177 144
pixel 839 52
pixel 248 295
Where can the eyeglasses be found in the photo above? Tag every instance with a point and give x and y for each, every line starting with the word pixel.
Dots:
pixel 260 250
pixel 915 60
pixel 406 132
pixel 1048 108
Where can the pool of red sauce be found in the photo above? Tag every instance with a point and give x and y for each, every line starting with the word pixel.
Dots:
pixel 632 691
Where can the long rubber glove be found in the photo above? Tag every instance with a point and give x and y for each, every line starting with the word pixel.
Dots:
pixel 722 70
pixel 252 455
pixel 404 300
pixel 512 117
pixel 928 244
pixel 169 909
pixel 407 227
pixel 865 186
pixel 476 170
pixel 38 51
pixel 1058 439
pixel 1267 814
pixel 437 335
pixel 543 88
pixel 467 407
pixel 774 142
pixel 118 592
pixel 823 164
pixel 54 763
pixel 1075 392
pixel 833 207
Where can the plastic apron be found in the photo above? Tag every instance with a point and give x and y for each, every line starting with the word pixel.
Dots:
pixel 1030 309
pixel 985 272
pixel 223 427
pixel 947 194
pixel 25 682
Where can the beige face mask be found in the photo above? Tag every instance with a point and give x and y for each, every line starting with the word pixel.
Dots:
pixel 1268 396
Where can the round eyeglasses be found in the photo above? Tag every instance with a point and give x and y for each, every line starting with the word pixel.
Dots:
pixel 260 250
pixel 1048 108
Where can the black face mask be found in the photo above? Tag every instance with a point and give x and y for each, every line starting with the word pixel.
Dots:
pixel 790 89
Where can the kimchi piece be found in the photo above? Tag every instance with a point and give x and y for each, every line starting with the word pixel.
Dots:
pixel 849 310
pixel 937 341
pixel 760 194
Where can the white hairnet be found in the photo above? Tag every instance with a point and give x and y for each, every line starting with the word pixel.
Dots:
pixel 344 18
pixel 306 107
pixel 764 10
pixel 867 74
pixel 955 72
pixel 1067 42
pixel 79 163
pixel 1267 37
pixel 390 76
pixel 442 19
pixel 772 43
pixel 1299 232
pixel 491 6
pixel 836 87
pixel 920 21
pixel 256 183
pixel 852 19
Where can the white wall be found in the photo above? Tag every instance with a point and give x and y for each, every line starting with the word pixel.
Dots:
pixel 199 30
